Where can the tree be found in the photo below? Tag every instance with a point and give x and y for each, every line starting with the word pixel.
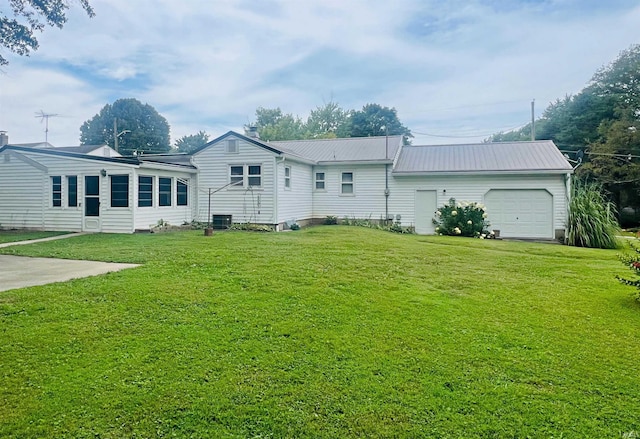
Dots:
pixel 272 124
pixel 17 29
pixel 191 142
pixel 375 120
pixel 140 128
pixel 328 121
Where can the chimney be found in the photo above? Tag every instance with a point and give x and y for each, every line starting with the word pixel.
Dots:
pixel 4 138
pixel 251 131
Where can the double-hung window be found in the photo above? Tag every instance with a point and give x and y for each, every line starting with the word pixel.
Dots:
pixel 347 183
pixel 245 176
pixel 287 177
pixel 56 191
pixel 145 191
pixel 182 193
pixel 119 190
pixel 320 181
pixel 164 191
pixel 255 175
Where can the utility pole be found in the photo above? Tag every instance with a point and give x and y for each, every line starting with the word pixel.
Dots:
pixel 533 120
pixel 115 134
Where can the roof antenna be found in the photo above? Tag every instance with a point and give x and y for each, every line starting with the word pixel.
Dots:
pixel 45 117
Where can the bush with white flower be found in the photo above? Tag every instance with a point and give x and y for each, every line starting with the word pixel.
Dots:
pixel 462 219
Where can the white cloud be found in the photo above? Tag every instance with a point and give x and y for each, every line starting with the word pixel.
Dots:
pixel 454 68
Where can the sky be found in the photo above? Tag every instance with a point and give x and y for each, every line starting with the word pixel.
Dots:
pixel 456 71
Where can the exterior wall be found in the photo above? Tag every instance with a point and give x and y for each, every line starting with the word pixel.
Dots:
pixel 149 216
pixel 245 205
pixel 367 201
pixel 295 203
pixel 473 189
pixel 26 195
pixel 22 200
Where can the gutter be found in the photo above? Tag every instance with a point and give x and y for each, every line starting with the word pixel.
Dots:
pixel 492 172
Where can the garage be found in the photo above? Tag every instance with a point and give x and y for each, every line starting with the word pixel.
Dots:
pixel 520 213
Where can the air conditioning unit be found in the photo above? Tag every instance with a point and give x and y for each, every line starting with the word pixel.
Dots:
pixel 221 222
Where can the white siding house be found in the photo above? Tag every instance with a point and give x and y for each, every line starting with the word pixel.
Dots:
pixel 237 178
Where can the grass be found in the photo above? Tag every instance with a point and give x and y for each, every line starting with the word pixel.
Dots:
pixel 326 332
pixel 21 235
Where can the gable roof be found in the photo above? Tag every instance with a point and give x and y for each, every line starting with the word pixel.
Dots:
pixel 256 142
pixel 534 156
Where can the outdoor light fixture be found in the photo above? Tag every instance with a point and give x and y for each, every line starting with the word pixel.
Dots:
pixel 103 172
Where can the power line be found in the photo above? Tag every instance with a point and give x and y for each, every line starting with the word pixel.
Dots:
pixel 468 135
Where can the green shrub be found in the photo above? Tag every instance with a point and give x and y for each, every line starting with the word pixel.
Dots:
pixel 330 220
pixel 395 227
pixel 294 226
pixel 251 227
pixel 592 218
pixel 633 262
pixel 462 219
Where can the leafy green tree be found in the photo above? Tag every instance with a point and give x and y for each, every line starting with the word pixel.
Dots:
pixel 328 121
pixel 28 16
pixel 376 120
pixel 191 142
pixel 140 128
pixel 272 124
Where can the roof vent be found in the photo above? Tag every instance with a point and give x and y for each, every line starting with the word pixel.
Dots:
pixel 4 138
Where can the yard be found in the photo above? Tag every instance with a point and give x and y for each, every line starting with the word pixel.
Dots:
pixel 326 332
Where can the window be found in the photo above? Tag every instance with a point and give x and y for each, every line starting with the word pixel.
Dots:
pixel 320 181
pixel 287 177
pixel 347 183
pixel 119 190
pixel 255 175
pixel 145 191
pixel 72 191
pixel 164 191
pixel 236 176
pixel 182 191
pixel 56 190
pixel 232 146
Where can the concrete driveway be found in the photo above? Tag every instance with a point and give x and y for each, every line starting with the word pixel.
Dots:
pixel 22 271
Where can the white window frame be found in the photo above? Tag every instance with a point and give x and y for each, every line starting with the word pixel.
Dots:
pixel 245 176
pixel 323 181
pixel 352 183
pixel 287 177
pixel 231 146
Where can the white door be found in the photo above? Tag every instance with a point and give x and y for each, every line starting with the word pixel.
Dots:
pixel 91 218
pixel 425 208
pixel 520 213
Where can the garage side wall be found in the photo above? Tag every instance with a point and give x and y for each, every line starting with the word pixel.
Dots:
pixel 474 188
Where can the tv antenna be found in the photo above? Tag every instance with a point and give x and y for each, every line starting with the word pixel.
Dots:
pixel 44 117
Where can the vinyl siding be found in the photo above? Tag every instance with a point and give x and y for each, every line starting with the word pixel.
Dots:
pixel 473 189
pixel 245 205
pixel 295 203
pixel 367 201
pixel 22 198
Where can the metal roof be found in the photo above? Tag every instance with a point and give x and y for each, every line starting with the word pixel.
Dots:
pixel 341 150
pixel 541 155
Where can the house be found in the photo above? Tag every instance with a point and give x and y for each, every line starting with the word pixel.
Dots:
pixel 239 178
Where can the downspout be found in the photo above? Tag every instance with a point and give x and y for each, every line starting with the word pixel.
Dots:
pixel 386 178
pixel 276 189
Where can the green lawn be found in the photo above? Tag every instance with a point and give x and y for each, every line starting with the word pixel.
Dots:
pixel 328 332
pixel 21 235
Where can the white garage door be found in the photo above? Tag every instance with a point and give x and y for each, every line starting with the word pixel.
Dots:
pixel 520 213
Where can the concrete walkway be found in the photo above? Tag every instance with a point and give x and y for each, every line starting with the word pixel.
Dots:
pixel 22 271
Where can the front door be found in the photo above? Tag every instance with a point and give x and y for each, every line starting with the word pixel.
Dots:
pixel 91 221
